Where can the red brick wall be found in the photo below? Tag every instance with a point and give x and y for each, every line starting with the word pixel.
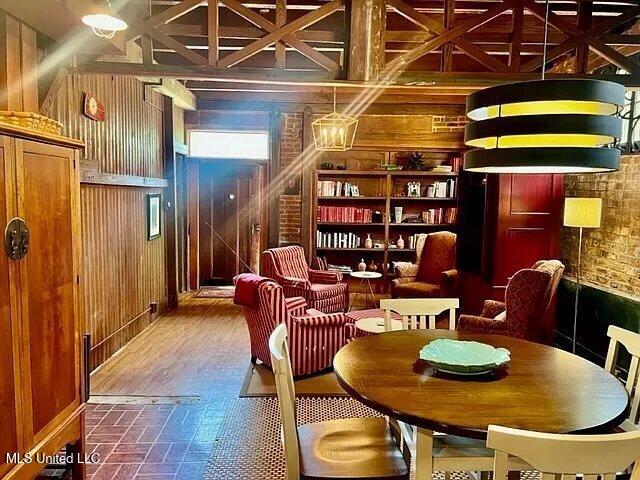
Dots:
pixel 290 150
pixel 611 253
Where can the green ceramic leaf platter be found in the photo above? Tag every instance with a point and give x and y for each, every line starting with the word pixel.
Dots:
pixel 464 357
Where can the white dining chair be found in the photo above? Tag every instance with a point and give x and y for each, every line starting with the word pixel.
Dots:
pixel 631 342
pixel 356 448
pixel 565 456
pixel 419 313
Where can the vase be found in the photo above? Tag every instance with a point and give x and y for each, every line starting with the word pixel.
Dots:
pixel 400 242
pixel 372 266
pixel 362 266
pixel 368 243
pixel 398 214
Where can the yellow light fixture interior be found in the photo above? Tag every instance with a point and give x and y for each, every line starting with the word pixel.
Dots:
pixel 542 140
pixel 544 107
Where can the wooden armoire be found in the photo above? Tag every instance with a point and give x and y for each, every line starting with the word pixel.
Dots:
pixel 41 392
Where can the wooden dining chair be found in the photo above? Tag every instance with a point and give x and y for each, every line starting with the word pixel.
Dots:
pixel 631 342
pixel 351 448
pixel 556 455
pixel 419 313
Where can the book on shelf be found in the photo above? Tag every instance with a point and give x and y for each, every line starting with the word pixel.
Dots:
pixel 337 240
pixel 333 188
pixel 442 189
pixel 440 215
pixel 329 214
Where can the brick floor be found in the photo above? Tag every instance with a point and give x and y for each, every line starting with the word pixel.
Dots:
pixel 150 441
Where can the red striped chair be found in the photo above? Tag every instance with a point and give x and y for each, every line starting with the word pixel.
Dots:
pixel 314 337
pixel 322 289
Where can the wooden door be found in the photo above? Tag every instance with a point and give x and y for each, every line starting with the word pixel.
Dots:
pixel 9 366
pixel 182 222
pixel 48 202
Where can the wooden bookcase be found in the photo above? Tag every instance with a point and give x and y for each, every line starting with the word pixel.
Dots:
pixel 379 190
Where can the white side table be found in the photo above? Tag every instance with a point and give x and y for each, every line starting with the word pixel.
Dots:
pixel 376 325
pixel 365 281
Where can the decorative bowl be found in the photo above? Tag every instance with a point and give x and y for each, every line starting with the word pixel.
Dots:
pixel 464 358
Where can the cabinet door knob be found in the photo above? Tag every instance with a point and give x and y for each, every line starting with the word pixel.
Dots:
pixel 16 238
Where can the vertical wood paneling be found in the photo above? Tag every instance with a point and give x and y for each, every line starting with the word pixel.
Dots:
pixel 122 271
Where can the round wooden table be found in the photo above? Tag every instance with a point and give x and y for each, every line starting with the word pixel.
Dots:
pixel 544 389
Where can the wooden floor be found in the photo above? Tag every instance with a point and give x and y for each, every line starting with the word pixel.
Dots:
pixel 187 352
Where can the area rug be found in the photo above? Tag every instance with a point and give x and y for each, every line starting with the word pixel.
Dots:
pixel 259 382
pixel 216 292
pixel 249 448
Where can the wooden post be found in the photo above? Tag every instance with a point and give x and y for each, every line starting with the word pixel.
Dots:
pixel 367 39
pixel 446 59
pixel 516 38
pixel 281 20
pixel 212 31
pixel 171 232
pixel 306 177
pixel 193 229
pixel 585 12
pixel 272 193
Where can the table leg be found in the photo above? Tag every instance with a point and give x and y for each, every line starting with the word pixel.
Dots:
pixel 424 454
pixel 373 295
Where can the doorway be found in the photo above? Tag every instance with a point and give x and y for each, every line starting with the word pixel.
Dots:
pixel 229 207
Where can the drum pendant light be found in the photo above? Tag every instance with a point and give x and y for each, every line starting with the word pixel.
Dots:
pixel 545 126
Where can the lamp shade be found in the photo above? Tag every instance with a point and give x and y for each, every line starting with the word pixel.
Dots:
pixel 545 126
pixel 582 212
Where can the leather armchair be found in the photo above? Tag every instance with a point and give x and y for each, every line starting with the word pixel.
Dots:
pixel 314 337
pixel 433 274
pixel 322 289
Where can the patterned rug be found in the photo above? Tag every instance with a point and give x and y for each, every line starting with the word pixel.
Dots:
pixel 216 292
pixel 249 448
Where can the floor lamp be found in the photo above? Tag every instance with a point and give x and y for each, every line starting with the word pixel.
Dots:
pixel 580 213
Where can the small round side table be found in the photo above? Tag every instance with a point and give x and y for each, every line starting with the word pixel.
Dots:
pixel 365 281
pixel 374 325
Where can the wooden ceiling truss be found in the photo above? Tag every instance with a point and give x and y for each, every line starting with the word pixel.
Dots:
pixel 222 46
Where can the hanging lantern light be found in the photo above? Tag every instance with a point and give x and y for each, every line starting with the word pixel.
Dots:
pixel 334 132
pixel 104 24
pixel 545 126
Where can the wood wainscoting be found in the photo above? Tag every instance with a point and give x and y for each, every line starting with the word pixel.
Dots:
pixel 123 273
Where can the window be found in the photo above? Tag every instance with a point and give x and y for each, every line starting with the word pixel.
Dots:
pixel 241 145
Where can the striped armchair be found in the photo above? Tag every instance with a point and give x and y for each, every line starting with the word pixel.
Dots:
pixel 322 289
pixel 314 337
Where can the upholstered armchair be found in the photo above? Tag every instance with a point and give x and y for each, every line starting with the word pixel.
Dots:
pixel 314 337
pixel 433 274
pixel 322 289
pixel 525 299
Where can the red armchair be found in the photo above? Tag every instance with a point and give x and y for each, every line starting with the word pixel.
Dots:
pixel 524 303
pixel 322 289
pixel 433 274
pixel 314 337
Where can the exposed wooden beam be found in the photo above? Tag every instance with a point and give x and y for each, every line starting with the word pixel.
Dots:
pixel 515 48
pixel 263 23
pixel 613 56
pixel 554 20
pixel 181 95
pixel 281 20
pixel 212 31
pixel 325 79
pixel 367 40
pixel 585 14
pixel 166 16
pixel 446 59
pixel 278 34
pixel 583 38
pixel 445 36
pixel 178 47
pixel 621 40
pixel 100 178
pixel 431 25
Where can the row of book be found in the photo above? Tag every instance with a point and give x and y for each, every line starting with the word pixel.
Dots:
pixel 337 240
pixel 442 189
pixel 343 214
pixel 440 215
pixel 332 188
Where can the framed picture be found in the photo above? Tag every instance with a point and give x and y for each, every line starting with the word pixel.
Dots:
pixel 292 186
pixel 153 215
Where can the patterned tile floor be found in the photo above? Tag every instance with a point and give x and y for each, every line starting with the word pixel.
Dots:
pixel 150 441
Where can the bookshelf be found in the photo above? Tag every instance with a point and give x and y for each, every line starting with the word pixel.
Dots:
pixel 377 191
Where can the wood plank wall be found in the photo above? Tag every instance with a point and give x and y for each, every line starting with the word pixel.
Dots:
pixel 122 271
